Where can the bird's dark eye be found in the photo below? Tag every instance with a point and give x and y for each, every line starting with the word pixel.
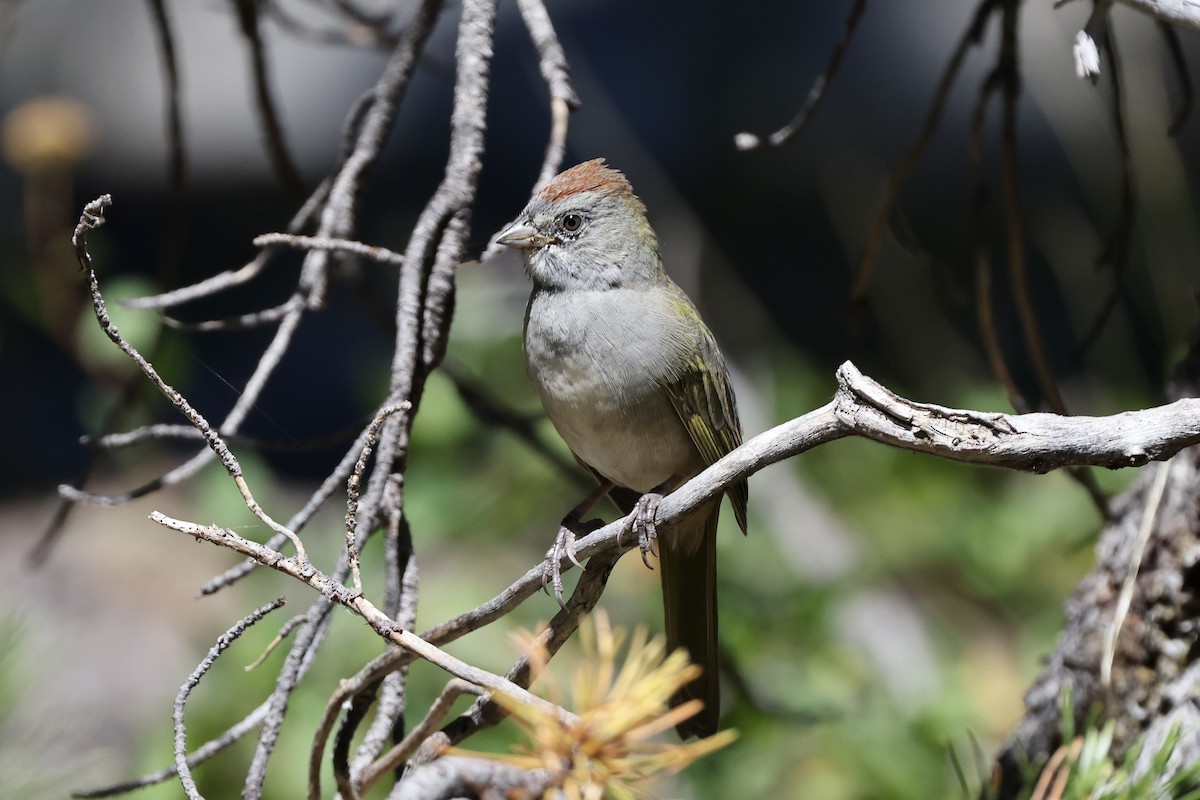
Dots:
pixel 571 222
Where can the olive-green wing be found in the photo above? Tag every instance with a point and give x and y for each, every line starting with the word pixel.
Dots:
pixel 703 397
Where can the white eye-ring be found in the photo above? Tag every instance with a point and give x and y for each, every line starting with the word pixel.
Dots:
pixel 571 222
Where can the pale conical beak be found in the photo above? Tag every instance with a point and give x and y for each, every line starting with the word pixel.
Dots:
pixel 523 237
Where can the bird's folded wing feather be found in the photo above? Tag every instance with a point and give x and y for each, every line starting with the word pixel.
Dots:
pixel 703 398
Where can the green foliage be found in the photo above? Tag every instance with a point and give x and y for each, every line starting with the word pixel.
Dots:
pixel 1092 773
pixel 1085 768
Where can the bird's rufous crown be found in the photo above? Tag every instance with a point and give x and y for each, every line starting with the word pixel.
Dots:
pixel 590 176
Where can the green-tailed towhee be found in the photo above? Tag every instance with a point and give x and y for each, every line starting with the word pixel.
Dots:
pixel 634 383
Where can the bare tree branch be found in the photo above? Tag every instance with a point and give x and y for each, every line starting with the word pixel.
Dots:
pixel 405 748
pixel 333 590
pixel 1116 250
pixel 237 277
pixel 334 481
pixel 198 756
pixel 1183 13
pixel 750 141
pixel 552 62
pixel 222 644
pixel 373 122
pixel 254 319
pixel 1179 62
pixel 462 776
pixel 900 175
pixel 400 603
pixel 281 159
pixel 484 712
pixel 380 254
pixel 93 217
pixel 298 660
pixel 355 479
pixel 176 152
pixel 984 313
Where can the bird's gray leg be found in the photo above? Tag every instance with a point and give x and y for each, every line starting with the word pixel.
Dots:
pixel 642 519
pixel 564 542
pixel 572 519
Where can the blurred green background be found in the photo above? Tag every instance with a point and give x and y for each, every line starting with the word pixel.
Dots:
pixel 884 608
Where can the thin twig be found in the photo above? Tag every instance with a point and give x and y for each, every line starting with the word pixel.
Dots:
pixel 235 277
pixel 485 712
pixel 334 591
pixel 816 93
pixel 492 412
pixel 168 431
pixel 181 473
pixel 371 121
pixel 1137 552
pixel 355 480
pixel 552 61
pixel 284 631
pixel 199 756
pixel 355 713
pixel 1031 329
pixel 428 725
pixel 899 176
pixel 268 115
pixel 205 288
pixel 1116 251
pixel 298 660
pixel 380 254
pixel 254 319
pixel 1179 62
pixel 400 603
pixel 116 441
pixel 176 151
pixel 222 644
pixel 332 483
pixel 983 261
pixel 1017 266
pixel 93 217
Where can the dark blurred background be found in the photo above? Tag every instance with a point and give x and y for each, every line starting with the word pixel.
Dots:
pixel 887 602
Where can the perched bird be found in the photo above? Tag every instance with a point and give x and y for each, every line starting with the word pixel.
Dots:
pixel 634 383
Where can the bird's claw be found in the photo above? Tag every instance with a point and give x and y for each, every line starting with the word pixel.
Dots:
pixel 643 526
pixel 564 547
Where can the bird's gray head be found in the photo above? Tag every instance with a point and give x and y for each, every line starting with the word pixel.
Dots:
pixel 586 229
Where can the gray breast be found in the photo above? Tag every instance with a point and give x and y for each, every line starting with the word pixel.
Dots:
pixel 595 364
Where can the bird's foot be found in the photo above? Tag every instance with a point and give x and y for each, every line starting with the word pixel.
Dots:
pixel 642 525
pixel 564 547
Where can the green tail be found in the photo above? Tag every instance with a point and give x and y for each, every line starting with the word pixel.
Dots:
pixel 688 560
